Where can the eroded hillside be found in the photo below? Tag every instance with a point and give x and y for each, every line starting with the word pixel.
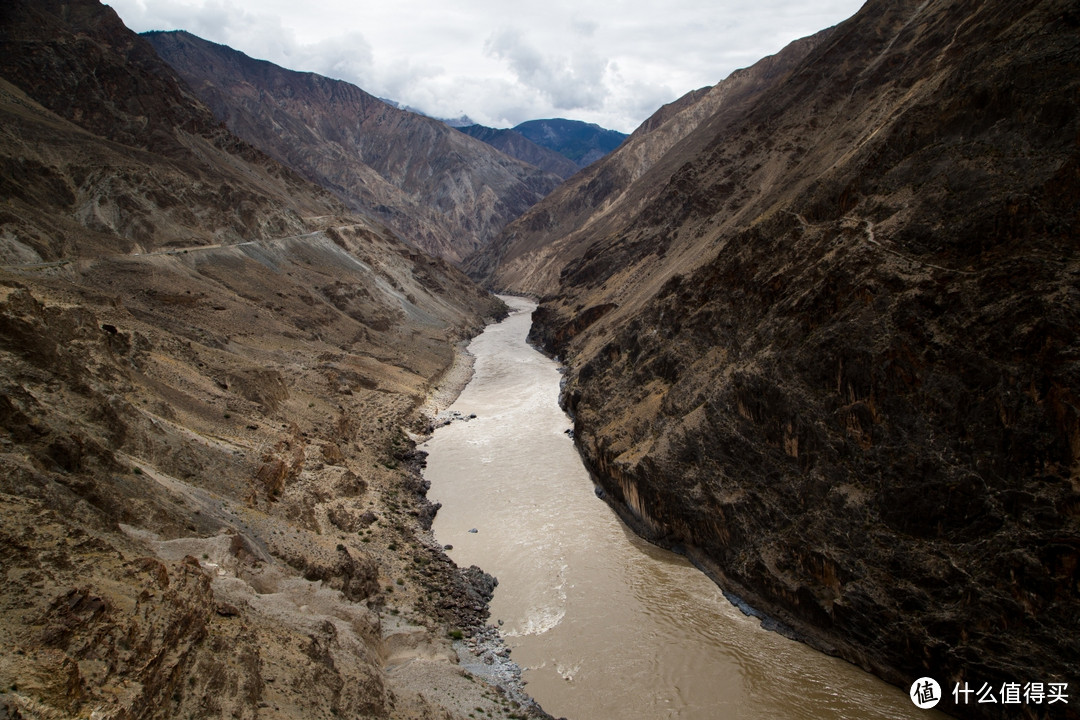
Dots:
pixel 209 493
pixel 210 373
pixel 828 341
pixel 437 188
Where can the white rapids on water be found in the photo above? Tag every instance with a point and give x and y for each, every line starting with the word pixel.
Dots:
pixel 603 624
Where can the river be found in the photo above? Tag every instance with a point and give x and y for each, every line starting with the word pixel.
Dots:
pixel 603 624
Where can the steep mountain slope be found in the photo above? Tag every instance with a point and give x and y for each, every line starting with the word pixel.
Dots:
pixel 828 343
pixel 444 191
pixel 582 142
pixel 168 173
pixel 207 374
pixel 530 253
pixel 518 146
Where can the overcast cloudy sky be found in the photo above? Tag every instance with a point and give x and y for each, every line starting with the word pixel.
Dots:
pixel 613 63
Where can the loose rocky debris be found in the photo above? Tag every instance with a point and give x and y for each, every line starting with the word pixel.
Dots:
pixel 148 512
pixel 450 416
pixel 486 655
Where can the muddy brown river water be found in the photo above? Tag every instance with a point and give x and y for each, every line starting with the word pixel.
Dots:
pixel 605 625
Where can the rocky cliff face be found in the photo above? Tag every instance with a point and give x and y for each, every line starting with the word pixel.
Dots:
pixel 210 505
pixel 832 350
pixel 438 188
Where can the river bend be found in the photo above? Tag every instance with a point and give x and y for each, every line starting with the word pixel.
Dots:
pixel 605 625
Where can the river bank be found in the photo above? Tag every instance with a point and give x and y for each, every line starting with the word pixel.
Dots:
pixel 447 388
pixel 461 596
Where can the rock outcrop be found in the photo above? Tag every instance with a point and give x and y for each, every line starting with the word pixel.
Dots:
pixel 827 342
pixel 435 187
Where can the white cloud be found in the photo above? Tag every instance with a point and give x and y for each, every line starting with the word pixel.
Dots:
pixel 570 82
pixel 342 56
pixel 613 63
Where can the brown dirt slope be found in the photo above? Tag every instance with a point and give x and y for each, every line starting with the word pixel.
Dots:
pixel 139 164
pixel 210 502
pixel 833 351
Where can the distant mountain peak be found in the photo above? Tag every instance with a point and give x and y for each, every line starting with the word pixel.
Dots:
pixel 582 142
pixel 518 146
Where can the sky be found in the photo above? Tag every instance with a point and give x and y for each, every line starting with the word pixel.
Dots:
pixel 613 63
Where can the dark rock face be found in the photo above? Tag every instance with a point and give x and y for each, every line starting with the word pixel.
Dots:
pixel 518 146
pixel 840 366
pixel 436 187
pixel 41 45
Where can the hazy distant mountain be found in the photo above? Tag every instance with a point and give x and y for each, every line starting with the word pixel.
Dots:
pixel 582 142
pixel 446 192
pixel 543 142
pixel 518 146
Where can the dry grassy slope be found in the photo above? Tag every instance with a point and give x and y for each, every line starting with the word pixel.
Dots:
pixel 439 188
pixel 835 353
pixel 209 501
pixel 529 254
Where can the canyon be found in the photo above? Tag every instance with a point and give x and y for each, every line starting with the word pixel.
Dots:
pixel 583 603
pixel 818 327
pixel 437 188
